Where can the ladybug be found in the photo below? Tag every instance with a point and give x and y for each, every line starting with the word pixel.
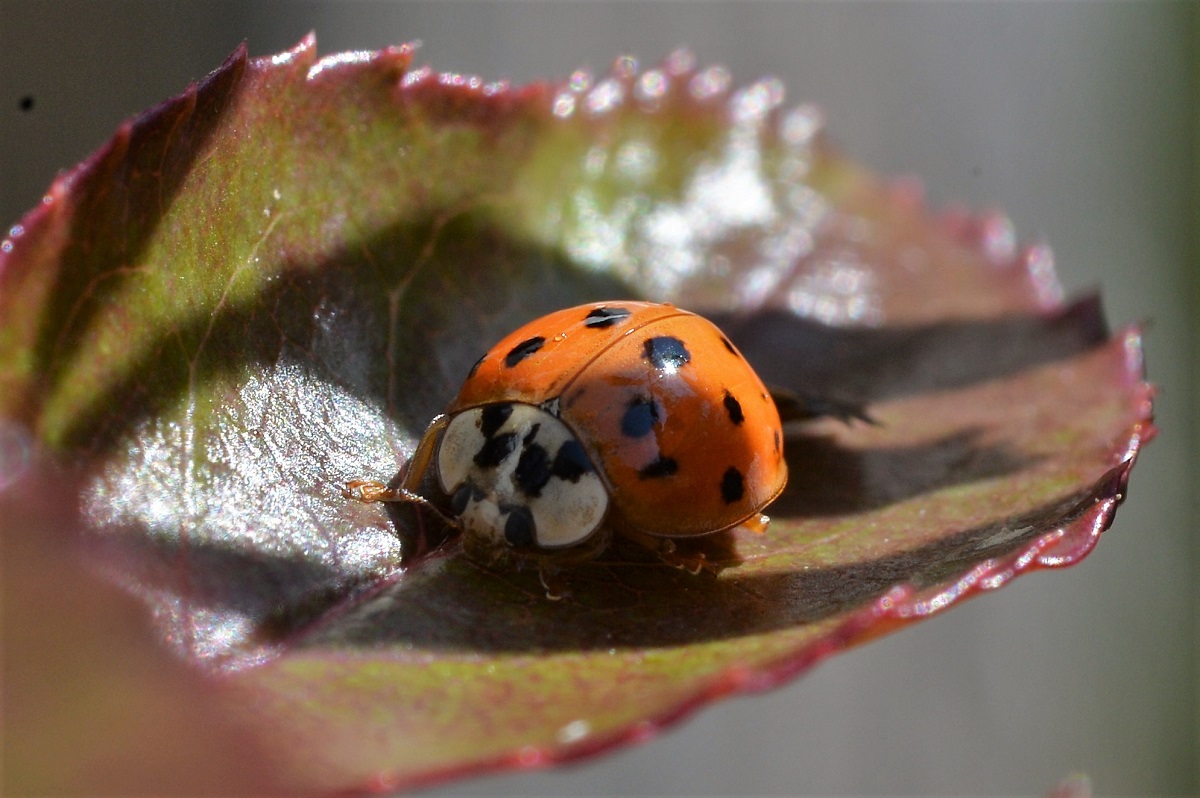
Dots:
pixel 632 418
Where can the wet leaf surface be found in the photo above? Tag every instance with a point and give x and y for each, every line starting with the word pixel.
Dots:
pixel 270 285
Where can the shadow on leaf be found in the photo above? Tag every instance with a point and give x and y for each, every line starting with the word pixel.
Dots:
pixel 871 364
pixel 396 322
pixel 626 599
pixel 829 480
pixel 117 205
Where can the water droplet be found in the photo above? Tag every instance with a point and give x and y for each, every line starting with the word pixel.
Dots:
pixel 573 732
pixel 800 125
pixel 580 81
pixel 16 231
pixel 1039 262
pixel 680 62
pixel 416 76
pixel 625 66
pixel 607 95
pixel 754 102
pixel 564 105
pixel 998 238
pixel 338 59
pixel 651 86
pixel 455 79
pixel 495 87
pixel 709 83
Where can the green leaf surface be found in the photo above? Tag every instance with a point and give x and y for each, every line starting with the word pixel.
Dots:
pixel 270 284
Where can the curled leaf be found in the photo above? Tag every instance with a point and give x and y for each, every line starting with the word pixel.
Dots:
pixel 270 284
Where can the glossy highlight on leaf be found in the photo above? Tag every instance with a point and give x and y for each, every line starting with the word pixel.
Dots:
pixel 270 284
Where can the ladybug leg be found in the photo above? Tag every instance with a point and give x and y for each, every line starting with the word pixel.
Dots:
pixel 369 491
pixel 403 488
pixel 553 582
pixel 669 553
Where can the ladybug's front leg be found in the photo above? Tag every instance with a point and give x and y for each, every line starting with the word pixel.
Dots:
pixel 668 552
pixel 403 487
pixel 370 491
pixel 553 582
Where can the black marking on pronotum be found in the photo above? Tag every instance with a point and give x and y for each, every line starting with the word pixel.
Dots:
pixel 461 498
pixel 519 529
pixel 531 435
pixel 523 350
pixel 733 485
pixel 734 408
pixel 495 450
pixel 728 345
pixel 475 368
pixel 533 470
pixel 640 417
pixel 660 467
pixel 605 317
pixel 571 462
pixel 666 352
pixel 492 418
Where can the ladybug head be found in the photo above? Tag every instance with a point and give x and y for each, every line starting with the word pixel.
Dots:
pixel 518 478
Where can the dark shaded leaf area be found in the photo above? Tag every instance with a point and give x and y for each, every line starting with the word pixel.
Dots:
pixel 270 284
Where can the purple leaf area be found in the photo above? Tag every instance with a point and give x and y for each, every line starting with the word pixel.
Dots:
pixel 269 285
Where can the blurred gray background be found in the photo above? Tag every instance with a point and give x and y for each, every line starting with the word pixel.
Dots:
pixel 1079 119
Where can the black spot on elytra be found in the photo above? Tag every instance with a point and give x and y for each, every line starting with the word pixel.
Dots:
pixel 493 417
pixel 778 443
pixel 659 467
pixel 519 529
pixel 729 346
pixel 495 450
pixel 571 462
pixel 523 350
pixel 475 368
pixel 640 417
pixel 605 317
pixel 734 408
pixel 733 485
pixel 533 470
pixel 666 352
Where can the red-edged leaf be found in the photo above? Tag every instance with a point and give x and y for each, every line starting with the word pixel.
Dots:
pixel 270 284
